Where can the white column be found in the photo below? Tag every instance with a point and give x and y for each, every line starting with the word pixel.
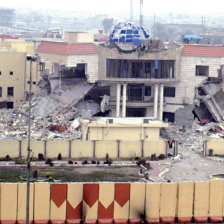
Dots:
pixel 156 87
pixel 161 102
pixel 118 100
pixel 124 100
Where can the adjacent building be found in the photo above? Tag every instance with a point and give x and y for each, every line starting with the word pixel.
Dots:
pixel 70 60
pixel 15 72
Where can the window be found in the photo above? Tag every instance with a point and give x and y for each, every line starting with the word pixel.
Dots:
pixel 147 67
pixel 169 91
pixel 10 105
pixel 0 72
pixel 5 104
pixel 10 73
pixel 202 70
pixel 148 91
pixel 168 117
pixel 10 91
pixel 0 91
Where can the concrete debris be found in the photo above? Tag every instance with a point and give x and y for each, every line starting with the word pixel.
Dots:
pixel 105 103
pixel 209 103
pixel 75 124
pixel 193 166
pixel 52 115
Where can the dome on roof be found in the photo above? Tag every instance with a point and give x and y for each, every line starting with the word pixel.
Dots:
pixel 127 32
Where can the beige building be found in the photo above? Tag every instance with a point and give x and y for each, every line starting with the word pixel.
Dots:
pixel 11 79
pixel 14 77
pixel 78 37
pixel 128 129
pixel 70 60
pixel 156 79
pixel 139 80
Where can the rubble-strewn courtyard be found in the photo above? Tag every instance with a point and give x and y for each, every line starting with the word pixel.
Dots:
pixel 193 166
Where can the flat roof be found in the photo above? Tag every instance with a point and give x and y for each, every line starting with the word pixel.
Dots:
pixel 124 122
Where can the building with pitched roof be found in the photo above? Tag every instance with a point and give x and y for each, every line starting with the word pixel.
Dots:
pixel 70 60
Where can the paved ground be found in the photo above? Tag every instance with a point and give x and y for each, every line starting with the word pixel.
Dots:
pixel 193 167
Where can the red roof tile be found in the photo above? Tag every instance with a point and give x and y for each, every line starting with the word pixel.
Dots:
pixel 6 36
pixel 203 51
pixel 67 49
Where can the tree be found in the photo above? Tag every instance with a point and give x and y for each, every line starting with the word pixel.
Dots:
pixel 107 24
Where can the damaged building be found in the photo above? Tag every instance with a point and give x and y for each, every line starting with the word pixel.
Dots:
pixel 140 72
pixel 151 78
pixel 131 75
pixel 72 70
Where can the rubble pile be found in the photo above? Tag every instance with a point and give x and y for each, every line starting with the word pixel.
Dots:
pixel 47 120
pixel 193 138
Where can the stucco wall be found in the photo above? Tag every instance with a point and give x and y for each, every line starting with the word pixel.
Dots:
pixel 111 201
pixel 123 133
pixel 83 149
pixel 216 145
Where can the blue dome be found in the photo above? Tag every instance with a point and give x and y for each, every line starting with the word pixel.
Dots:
pixel 127 32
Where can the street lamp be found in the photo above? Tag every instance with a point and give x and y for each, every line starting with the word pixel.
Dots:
pixel 30 59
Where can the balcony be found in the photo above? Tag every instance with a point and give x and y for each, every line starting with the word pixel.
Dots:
pixel 132 70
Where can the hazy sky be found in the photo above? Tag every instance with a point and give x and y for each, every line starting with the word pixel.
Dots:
pixel 120 6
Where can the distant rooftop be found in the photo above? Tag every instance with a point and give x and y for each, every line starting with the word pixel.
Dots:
pixel 6 36
pixel 63 48
pixel 127 121
pixel 203 51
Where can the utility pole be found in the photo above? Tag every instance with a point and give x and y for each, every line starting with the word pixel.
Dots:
pixel 154 23
pixel 30 59
pixel 131 11
pixel 203 24
pixel 141 13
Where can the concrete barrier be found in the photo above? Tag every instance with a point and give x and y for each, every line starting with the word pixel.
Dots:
pixel 106 203
pixel 121 203
pixel 216 201
pixel 152 204
pixel 21 213
pixel 110 202
pixel 74 203
pixel 42 203
pixel 185 202
pixel 168 202
pixel 90 202
pixel 137 202
pixel 58 203
pixel 201 202
pixel 8 203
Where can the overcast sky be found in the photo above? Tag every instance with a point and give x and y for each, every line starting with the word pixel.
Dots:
pixel 121 6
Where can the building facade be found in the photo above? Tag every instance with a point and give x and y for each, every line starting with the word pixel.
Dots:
pixel 156 79
pixel 70 60
pixel 140 79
